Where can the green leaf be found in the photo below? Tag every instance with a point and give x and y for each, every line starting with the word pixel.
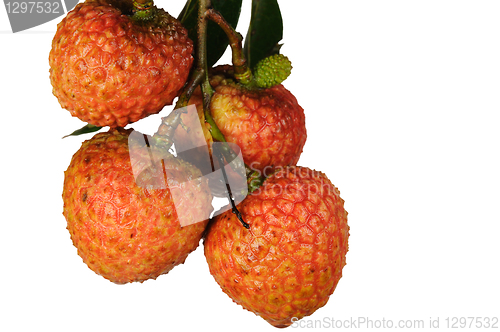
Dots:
pixel 265 31
pixel 217 42
pixel 88 128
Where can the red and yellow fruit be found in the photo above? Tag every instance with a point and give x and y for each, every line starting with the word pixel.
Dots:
pixel 267 124
pixel 290 260
pixel 124 231
pixel 111 67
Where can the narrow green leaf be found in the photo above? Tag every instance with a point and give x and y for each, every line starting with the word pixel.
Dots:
pixel 88 128
pixel 187 10
pixel 265 31
pixel 217 42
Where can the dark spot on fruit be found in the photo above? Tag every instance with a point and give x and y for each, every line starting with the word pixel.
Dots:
pixel 238 249
pixel 84 197
pixel 88 177
pixel 131 235
pixel 311 270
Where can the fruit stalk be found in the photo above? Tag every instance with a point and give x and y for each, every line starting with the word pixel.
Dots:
pixel 166 130
pixel 242 72
pixel 143 10
pixel 204 13
pixel 207 90
pixel 234 209
pixel 196 79
pixel 201 59
pixel 202 65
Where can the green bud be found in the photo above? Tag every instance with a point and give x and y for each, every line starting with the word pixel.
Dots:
pixel 272 71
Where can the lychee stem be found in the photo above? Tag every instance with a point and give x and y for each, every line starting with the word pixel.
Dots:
pixel 206 88
pixel 165 133
pixel 143 10
pixel 242 72
pixel 229 193
pixel 207 91
pixel 196 79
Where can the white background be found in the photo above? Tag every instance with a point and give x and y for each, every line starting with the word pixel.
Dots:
pixel 402 103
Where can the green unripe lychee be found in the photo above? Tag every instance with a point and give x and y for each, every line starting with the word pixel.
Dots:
pixel 272 71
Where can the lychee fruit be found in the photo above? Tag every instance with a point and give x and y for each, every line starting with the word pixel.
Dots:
pixel 113 62
pixel 290 260
pixel 267 124
pixel 124 228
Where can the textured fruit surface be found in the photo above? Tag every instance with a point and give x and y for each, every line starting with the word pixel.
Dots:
pixel 109 70
pixel 272 70
pixel 123 231
pixel 290 260
pixel 267 124
pixel 198 135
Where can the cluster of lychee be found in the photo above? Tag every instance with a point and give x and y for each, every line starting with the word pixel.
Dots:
pixel 114 62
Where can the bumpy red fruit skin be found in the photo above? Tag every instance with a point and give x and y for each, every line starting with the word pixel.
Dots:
pixel 124 232
pixel 267 124
pixel 290 261
pixel 108 70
